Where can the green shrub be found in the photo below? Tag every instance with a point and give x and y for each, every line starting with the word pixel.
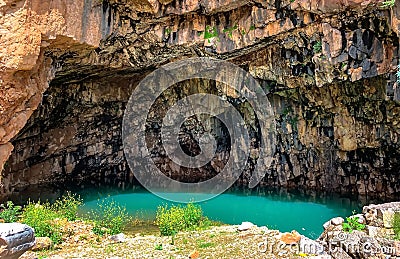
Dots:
pixel 396 225
pixel 109 217
pixel 352 224
pixel 172 220
pixel 68 205
pixel 42 218
pixel 388 3
pixel 317 47
pixel 209 33
pixel 10 212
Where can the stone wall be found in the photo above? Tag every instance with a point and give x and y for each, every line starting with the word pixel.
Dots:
pixel 329 69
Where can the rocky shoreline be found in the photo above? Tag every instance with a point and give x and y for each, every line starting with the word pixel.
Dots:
pixel 376 239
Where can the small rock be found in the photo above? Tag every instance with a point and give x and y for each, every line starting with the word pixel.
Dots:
pixel 42 243
pixel 310 246
pixel 245 226
pixel 373 231
pixel 327 224
pixel 387 218
pixel 337 221
pixel 290 238
pixel 118 238
pixel 339 253
pixel 195 254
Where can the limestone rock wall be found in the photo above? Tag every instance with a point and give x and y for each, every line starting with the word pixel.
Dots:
pixel 27 29
pixel 329 68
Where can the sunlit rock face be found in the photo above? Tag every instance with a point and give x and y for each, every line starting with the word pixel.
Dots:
pixel 329 70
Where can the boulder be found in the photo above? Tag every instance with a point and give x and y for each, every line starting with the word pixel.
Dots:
pixel 290 238
pixel 245 226
pixel 337 221
pixel 15 239
pixel 381 215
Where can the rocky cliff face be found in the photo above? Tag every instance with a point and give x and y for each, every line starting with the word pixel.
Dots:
pixel 329 68
pixel 28 29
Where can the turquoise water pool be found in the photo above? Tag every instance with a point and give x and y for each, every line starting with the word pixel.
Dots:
pixel 279 211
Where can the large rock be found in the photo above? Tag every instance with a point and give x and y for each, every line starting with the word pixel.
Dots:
pixel 375 241
pixel 27 28
pixel 381 215
pixel 15 239
pixel 42 243
pixel 245 226
pixel 292 238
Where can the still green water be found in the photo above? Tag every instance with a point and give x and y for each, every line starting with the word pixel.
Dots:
pixel 285 212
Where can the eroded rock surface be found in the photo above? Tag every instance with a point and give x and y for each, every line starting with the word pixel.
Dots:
pixel 376 240
pixel 329 69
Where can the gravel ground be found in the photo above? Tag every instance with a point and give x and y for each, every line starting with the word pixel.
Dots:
pixel 217 242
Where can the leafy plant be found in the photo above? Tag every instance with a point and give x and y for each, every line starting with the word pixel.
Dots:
pixel 10 212
pixel 230 30
pixel 396 225
pixel 67 206
pixel 172 220
pixel 43 220
pixel 389 3
pixel 209 33
pixel 317 47
pixel 352 224
pixel 109 217
pixel 158 247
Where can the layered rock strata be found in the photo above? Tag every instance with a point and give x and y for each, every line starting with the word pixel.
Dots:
pixel 329 68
